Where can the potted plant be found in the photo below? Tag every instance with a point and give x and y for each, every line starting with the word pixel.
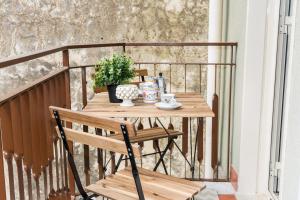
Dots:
pixel 111 72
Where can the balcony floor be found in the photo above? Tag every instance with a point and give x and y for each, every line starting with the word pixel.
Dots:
pixel 217 190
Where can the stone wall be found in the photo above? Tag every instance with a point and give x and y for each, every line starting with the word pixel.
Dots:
pixel 27 26
pixel 30 25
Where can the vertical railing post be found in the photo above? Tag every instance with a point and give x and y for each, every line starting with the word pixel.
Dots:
pixel 7 145
pixel 200 141
pixel 215 135
pixel 84 90
pixel 185 130
pixel 215 127
pixel 66 63
pixel 100 157
pixel 2 178
pixel 86 148
pixel 229 112
pixel 18 142
pixel 124 48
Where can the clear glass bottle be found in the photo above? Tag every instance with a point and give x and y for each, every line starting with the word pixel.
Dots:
pixel 161 82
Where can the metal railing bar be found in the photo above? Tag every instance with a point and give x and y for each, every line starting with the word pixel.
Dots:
pixel 184 77
pixel 87 46
pixel 200 77
pixel 170 71
pixel 229 117
pixel 165 63
pixel 180 44
pixel 27 57
pixel 185 63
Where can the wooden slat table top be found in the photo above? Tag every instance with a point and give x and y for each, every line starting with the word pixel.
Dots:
pixel 193 105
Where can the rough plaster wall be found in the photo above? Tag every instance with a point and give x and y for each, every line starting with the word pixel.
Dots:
pixel 27 26
pixel 31 25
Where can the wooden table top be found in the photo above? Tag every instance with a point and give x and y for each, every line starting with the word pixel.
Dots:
pixel 193 105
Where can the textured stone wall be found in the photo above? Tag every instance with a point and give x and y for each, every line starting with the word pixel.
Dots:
pixel 30 25
pixel 27 26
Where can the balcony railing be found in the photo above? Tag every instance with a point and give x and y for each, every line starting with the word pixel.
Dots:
pixel 33 163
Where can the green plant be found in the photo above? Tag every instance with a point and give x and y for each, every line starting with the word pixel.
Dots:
pixel 113 71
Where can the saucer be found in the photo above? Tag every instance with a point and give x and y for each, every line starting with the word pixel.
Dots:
pixel 166 106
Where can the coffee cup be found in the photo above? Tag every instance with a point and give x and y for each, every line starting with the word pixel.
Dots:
pixel 168 98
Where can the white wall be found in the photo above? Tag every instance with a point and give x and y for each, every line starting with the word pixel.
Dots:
pixel 251 25
pixel 247 25
pixel 291 168
pixel 251 95
pixel 236 14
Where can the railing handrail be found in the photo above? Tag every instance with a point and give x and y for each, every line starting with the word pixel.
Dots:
pixel 31 56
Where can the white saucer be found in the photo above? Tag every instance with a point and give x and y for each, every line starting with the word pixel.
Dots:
pixel 166 106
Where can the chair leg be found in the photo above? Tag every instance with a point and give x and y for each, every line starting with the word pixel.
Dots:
pixel 183 154
pixel 163 162
pixel 119 162
pixel 162 155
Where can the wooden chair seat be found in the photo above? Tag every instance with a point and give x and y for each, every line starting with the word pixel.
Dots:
pixel 155 186
pixel 149 134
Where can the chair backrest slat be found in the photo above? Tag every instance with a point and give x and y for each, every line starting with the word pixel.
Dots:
pixel 141 72
pixel 97 141
pixel 92 120
pixel 101 142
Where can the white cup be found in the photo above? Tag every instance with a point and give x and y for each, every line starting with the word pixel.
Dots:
pixel 168 98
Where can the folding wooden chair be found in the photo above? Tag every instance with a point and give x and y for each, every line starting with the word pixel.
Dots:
pixel 129 183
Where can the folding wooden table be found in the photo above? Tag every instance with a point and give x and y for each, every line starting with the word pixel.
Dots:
pixel 193 106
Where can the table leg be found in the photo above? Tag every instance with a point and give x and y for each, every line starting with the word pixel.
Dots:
pixel 163 162
pixel 193 147
pixel 100 157
pixel 171 141
pixel 113 158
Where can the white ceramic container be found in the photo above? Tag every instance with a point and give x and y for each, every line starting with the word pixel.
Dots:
pixel 127 93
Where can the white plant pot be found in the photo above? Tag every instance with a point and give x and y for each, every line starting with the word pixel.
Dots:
pixel 127 93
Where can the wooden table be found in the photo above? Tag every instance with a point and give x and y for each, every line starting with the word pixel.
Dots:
pixel 193 106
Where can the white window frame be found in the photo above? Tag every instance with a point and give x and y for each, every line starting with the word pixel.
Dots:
pixel 267 101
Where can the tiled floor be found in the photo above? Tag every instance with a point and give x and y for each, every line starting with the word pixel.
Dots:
pixel 221 187
pixel 227 197
pixel 224 190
